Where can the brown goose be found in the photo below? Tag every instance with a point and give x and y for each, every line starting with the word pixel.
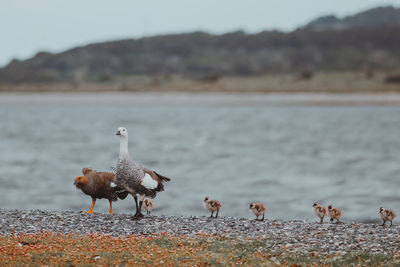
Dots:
pixel 99 185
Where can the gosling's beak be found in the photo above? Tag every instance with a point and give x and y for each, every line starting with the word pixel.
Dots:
pixel 75 183
pixel 118 133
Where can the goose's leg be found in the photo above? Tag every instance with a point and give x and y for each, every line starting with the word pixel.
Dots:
pixel 111 210
pixel 139 210
pixel 136 216
pixel 91 208
pixel 384 223
pixel 262 218
pixel 322 220
pixel 216 216
pixel 391 224
pixel 137 207
pixel 211 214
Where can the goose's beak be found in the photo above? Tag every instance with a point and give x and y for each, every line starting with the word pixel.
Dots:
pixel 118 133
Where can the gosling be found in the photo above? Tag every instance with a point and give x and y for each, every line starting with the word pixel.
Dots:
pixel 386 215
pixel 320 211
pixel 148 205
pixel 258 209
pixel 212 206
pixel 334 213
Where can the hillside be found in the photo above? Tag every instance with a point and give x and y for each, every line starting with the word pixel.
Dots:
pixel 380 16
pixel 374 45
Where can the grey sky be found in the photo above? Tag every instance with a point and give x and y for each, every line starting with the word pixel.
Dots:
pixel 27 27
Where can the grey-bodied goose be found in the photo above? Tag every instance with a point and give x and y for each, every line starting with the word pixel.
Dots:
pixel 135 178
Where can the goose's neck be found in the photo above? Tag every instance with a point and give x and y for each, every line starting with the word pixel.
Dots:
pixel 123 146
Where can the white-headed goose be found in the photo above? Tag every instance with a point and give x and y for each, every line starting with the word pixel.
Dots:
pixel 135 178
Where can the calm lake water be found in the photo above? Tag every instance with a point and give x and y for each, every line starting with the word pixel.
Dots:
pixel 280 150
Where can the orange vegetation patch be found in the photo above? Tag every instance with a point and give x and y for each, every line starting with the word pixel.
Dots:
pixel 95 249
pixel 56 249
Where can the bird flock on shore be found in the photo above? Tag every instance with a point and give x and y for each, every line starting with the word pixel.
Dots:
pixel 132 178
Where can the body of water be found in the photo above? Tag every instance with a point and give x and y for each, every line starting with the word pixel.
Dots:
pixel 234 148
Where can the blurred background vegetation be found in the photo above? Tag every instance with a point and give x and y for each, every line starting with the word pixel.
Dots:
pixel 356 53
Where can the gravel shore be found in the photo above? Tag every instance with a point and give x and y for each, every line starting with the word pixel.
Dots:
pixel 293 235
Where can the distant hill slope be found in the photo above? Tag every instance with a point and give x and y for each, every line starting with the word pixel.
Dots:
pixel 380 16
pixel 364 44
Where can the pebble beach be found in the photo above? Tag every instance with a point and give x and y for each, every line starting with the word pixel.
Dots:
pixel 293 235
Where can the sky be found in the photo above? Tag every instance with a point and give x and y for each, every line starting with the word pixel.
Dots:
pixel 27 27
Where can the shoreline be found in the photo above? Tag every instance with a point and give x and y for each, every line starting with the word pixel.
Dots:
pixel 201 98
pixel 294 235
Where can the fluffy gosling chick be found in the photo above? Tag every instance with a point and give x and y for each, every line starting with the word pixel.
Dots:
pixel 320 211
pixel 387 215
pixel 212 206
pixel 334 213
pixel 258 209
pixel 148 205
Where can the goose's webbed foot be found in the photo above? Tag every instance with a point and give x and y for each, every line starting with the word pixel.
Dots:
pixel 138 216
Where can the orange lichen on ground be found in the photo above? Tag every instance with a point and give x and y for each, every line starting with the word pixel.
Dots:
pixel 96 249
pixel 57 249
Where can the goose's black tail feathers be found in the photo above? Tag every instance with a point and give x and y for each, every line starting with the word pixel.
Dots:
pixel 120 192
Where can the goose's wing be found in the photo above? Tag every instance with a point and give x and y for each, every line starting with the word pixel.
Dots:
pixel 107 175
pixel 142 180
pixel 153 180
pixel 96 183
pixel 129 175
pixel 162 178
